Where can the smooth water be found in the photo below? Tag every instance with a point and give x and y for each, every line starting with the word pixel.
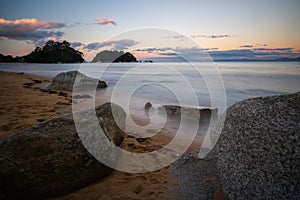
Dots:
pixel 211 84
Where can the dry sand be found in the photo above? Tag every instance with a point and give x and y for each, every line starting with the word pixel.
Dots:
pixel 23 104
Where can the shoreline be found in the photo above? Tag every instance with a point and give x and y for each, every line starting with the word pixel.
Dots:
pixel 24 107
pixel 26 95
pixel 24 104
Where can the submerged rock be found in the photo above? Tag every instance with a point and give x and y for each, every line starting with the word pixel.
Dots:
pixel 259 148
pixel 49 159
pixel 205 114
pixel 66 80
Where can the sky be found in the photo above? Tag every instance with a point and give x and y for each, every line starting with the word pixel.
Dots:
pixel 156 29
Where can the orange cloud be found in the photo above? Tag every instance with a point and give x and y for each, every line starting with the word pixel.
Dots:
pixel 26 25
pixel 29 29
pixel 102 21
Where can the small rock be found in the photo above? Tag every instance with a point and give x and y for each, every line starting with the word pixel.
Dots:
pixel 205 115
pixel 64 94
pixel 84 96
pixel 37 81
pixel 27 85
pixel 147 106
pixel 52 92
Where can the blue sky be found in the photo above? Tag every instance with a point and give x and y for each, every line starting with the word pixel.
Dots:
pixel 241 29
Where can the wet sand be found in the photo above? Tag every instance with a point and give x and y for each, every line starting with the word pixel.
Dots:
pixel 23 104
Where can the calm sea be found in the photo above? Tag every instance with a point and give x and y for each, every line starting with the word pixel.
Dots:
pixel 219 84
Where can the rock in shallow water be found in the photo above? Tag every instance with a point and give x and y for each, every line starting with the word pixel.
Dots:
pixel 49 159
pixel 66 80
pixel 259 148
pixel 205 115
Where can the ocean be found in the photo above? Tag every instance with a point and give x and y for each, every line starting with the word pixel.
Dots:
pixel 217 85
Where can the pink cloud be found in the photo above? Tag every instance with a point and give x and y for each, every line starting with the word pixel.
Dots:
pixel 102 21
pixel 3 38
pixel 27 25
pixel 29 29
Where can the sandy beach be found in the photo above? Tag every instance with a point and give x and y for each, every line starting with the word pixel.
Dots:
pixel 23 104
pixel 26 101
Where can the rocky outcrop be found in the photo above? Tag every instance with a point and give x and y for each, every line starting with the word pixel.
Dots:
pixel 259 148
pixel 66 80
pixel 205 114
pixel 49 159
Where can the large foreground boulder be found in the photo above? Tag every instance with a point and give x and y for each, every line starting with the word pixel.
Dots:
pixel 198 179
pixel 66 80
pixel 49 159
pixel 259 148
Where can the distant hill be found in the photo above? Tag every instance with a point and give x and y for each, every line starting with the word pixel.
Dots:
pixel 51 52
pixel 114 56
pixel 126 57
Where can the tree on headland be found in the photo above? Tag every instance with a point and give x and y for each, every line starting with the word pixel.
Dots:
pixel 51 52
pixel 55 52
pixel 6 59
pixel 114 56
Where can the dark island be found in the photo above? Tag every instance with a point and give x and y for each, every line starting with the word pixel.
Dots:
pixel 62 52
pixel 114 56
pixel 51 52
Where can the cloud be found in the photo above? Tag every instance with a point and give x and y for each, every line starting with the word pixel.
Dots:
pixel 115 44
pixel 77 44
pixel 199 54
pixel 32 30
pixel 124 44
pixel 154 49
pixel 190 50
pixel 178 37
pixel 247 46
pixel 232 54
pixel 211 36
pixel 41 42
pixel 27 25
pixel 182 37
pixel 178 50
pixel 273 49
pixel 261 45
pixel 254 54
pixel 33 35
pixel 102 21
pixel 179 54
